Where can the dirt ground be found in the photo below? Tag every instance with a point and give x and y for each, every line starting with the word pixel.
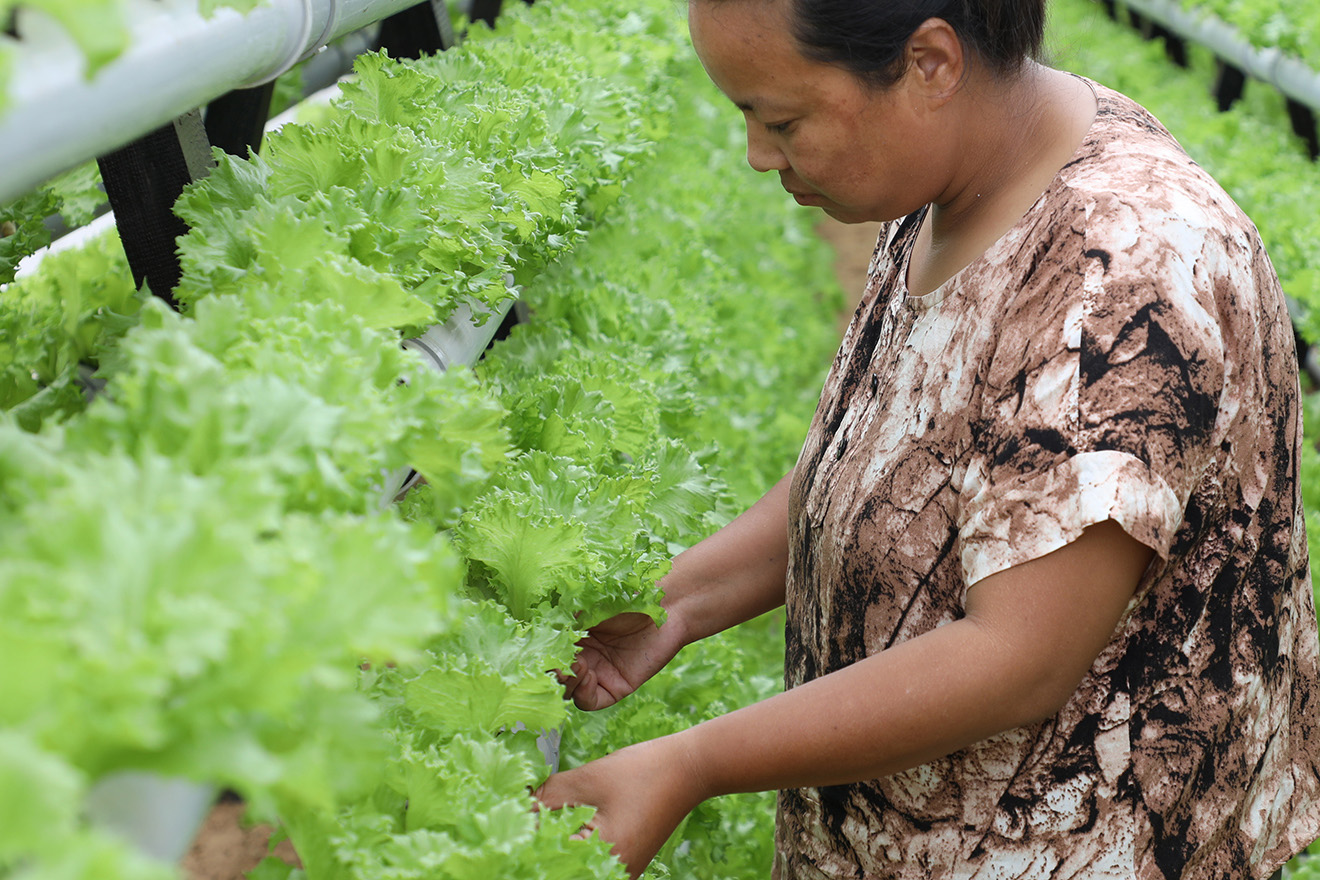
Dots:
pixel 853 245
pixel 225 849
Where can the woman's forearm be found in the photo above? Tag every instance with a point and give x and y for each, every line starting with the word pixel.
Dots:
pixel 911 704
pixel 735 574
pixel 1029 637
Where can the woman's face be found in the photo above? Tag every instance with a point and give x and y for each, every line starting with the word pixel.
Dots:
pixel 857 152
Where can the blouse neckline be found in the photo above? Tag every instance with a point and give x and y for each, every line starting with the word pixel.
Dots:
pixel 935 297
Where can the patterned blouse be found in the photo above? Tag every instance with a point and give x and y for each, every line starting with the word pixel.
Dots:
pixel 1124 353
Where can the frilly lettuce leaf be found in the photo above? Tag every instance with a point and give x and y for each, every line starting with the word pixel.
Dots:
pixel 100 28
pixel 180 623
pixel 526 556
pixel 39 798
pixel 23 228
pixel 79 193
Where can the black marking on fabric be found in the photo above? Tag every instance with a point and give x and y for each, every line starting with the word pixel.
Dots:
pixel 1099 254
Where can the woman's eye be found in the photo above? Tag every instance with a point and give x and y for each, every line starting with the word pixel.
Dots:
pixel 779 127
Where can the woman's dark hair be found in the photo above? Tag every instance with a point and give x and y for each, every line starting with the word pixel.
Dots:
pixel 868 37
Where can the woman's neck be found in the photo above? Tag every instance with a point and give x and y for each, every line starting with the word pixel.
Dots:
pixel 1012 156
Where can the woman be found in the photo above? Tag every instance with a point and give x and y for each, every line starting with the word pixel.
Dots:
pixel 1049 608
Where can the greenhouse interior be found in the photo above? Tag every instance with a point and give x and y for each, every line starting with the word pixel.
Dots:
pixel 357 360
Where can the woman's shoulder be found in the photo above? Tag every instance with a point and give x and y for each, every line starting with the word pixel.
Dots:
pixel 1120 114
pixel 1132 165
pixel 1132 199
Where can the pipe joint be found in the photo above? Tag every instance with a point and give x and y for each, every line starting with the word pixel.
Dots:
pixel 300 46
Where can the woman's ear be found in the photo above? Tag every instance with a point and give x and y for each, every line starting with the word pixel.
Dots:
pixel 936 60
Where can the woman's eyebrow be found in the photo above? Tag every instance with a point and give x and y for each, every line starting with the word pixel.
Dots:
pixel 755 105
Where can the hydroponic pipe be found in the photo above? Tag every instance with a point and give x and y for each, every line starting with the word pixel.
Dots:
pixel 176 60
pixel 1287 74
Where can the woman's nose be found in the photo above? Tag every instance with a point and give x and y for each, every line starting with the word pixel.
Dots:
pixel 762 153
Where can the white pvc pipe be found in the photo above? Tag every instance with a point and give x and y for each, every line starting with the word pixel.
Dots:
pixel 82 235
pixel 159 815
pixel 58 118
pixel 1289 75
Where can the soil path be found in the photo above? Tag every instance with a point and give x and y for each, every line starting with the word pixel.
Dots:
pixel 226 849
pixel 853 245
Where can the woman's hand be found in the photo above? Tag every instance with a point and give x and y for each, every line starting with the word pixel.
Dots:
pixel 732 576
pixel 617 656
pixel 641 794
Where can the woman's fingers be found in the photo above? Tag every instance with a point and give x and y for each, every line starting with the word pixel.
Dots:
pixel 587 692
pixel 546 796
pixel 542 801
pixel 572 681
pixel 640 794
pixel 587 830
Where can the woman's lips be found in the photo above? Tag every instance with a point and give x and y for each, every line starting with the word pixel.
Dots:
pixel 801 193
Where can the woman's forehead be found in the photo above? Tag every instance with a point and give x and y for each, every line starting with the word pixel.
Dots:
pixel 750 54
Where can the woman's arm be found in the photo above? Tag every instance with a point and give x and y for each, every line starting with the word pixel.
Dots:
pixel 1029 635
pixel 732 576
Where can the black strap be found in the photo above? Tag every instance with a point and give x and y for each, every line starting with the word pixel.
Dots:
pixel 142 181
pixel 236 121
pixel 419 30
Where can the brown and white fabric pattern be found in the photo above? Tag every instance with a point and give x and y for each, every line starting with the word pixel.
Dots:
pixel 1122 353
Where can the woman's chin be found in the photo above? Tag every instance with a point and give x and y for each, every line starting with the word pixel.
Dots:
pixel 846 215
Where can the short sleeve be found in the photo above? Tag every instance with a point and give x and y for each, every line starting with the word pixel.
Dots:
pixel 1100 402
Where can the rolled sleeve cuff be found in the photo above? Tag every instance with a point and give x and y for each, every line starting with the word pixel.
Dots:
pixel 1036 514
